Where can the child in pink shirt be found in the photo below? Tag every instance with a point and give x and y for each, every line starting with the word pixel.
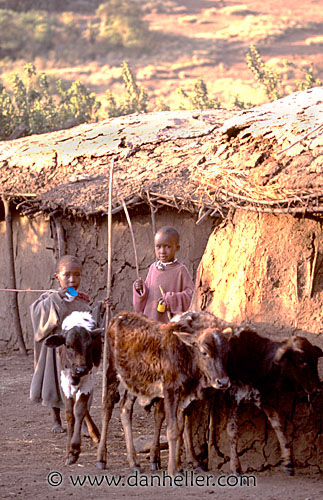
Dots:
pixel 168 281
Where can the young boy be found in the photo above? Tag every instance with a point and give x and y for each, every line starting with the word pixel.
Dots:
pixel 47 315
pixel 168 282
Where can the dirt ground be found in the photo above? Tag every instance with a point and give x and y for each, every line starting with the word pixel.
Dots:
pixel 32 459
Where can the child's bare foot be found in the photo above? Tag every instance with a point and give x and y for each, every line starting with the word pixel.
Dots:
pixel 57 423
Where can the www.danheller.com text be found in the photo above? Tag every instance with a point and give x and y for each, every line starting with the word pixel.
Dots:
pixel 187 478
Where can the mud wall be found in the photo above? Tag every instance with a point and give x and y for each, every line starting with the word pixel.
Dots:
pixel 36 250
pixel 267 270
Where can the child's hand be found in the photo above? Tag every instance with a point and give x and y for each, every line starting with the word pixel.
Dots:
pixel 108 301
pixel 139 285
pixel 62 292
pixel 162 301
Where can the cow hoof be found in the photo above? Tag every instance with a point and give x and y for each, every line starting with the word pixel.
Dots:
pixel 71 460
pixel 289 470
pixel 101 465
pixel 57 429
pixel 155 466
pixel 199 469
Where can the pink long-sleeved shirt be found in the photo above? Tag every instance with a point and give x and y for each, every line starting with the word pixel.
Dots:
pixel 177 285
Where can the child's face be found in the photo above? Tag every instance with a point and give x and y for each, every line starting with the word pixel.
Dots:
pixel 69 275
pixel 165 247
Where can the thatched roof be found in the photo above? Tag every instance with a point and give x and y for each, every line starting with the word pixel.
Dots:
pixel 267 158
pixel 155 155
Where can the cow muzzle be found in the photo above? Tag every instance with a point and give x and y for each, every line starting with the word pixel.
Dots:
pixel 222 383
pixel 80 371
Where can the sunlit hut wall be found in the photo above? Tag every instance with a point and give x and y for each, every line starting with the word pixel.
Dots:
pixel 58 195
pixel 264 264
pixel 36 252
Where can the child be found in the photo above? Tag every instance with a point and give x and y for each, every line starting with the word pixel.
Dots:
pixel 47 314
pixel 168 282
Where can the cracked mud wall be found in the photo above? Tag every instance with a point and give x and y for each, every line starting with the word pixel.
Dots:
pixel 265 269
pixel 268 270
pixel 36 250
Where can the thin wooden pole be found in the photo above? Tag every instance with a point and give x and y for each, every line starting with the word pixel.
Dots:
pixel 12 279
pixel 60 236
pixel 132 234
pixel 109 280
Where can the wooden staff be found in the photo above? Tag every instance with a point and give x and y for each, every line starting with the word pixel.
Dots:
pixel 14 306
pixel 108 307
pixel 131 232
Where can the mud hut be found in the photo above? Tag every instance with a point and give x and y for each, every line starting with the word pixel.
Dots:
pixel 246 185
pixel 264 264
pixel 54 191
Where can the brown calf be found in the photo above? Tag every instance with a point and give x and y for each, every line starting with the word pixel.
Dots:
pixel 79 351
pixel 259 369
pixel 154 360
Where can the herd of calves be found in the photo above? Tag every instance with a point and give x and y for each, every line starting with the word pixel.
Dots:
pixel 171 365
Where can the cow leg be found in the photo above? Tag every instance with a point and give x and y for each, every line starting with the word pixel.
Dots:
pixel 108 403
pixel 126 411
pixel 171 400
pixel 159 417
pixel 232 430
pixel 92 428
pixel 188 442
pixel 179 444
pixel 275 422
pixel 80 410
pixel 70 420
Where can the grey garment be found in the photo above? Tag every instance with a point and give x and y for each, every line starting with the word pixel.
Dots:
pixel 45 386
pixel 47 315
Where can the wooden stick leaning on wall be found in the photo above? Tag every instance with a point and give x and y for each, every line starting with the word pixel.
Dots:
pixel 12 278
pixel 109 280
pixel 132 234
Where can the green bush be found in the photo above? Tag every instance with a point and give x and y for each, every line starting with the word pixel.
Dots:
pixel 50 5
pixel 30 109
pixel 122 24
pixel 199 98
pixel 135 100
pixel 265 76
pixel 25 35
pixel 272 81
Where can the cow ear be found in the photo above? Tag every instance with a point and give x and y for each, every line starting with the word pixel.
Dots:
pixel 187 338
pixel 55 341
pixel 280 353
pixel 318 351
pixel 288 346
pixel 96 332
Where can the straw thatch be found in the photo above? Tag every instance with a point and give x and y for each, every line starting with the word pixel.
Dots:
pixel 265 159
pixel 269 159
pixel 67 171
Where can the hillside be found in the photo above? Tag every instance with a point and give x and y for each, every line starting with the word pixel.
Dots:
pixel 207 39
